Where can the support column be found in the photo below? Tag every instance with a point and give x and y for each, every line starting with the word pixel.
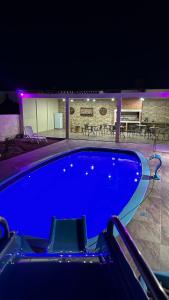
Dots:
pixel 67 117
pixel 36 106
pixel 21 122
pixel 118 117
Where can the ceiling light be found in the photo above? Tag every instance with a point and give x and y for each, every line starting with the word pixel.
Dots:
pixel 72 100
pixel 112 99
pixel 63 100
pixel 94 100
pixel 142 99
pixel 88 99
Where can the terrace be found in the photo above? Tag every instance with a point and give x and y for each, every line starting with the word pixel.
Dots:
pixel 124 125
pixel 126 116
pixel 149 227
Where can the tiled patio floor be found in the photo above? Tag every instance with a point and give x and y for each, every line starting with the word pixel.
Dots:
pixel 150 225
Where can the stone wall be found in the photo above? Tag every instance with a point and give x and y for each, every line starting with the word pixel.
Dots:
pixel 156 110
pixel 9 126
pixel 97 119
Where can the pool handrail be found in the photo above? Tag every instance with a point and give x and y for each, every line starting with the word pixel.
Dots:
pixel 151 281
pixel 5 227
pixel 156 156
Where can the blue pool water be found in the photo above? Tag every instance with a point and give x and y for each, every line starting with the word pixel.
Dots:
pixel 92 183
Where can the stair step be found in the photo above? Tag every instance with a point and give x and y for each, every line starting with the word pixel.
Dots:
pixel 54 280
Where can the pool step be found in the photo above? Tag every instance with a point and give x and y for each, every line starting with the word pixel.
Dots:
pixel 61 259
pixel 54 280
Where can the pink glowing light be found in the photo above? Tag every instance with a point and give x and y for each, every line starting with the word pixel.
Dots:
pixel 21 94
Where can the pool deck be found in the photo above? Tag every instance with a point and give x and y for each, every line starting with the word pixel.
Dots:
pixel 150 225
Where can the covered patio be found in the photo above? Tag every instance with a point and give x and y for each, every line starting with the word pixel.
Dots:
pixel 139 117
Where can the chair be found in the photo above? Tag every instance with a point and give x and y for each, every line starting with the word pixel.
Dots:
pixel 105 128
pixel 147 131
pixel 154 133
pixel 163 134
pixel 28 131
pixel 86 129
pixel 133 130
pixel 113 130
pixel 68 235
pixel 97 129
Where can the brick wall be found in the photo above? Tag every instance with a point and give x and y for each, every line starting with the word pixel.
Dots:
pixel 131 104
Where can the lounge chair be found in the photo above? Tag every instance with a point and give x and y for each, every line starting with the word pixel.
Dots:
pixel 28 132
pixel 68 235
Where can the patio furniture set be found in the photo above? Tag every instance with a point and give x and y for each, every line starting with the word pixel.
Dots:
pixel 146 131
pixel 149 132
pixel 104 129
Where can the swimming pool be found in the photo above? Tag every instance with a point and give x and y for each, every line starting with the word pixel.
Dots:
pixel 93 182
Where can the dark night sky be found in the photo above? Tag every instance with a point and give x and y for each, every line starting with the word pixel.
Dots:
pixel 59 47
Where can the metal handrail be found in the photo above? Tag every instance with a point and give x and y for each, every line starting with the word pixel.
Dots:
pixel 151 281
pixel 156 156
pixel 4 225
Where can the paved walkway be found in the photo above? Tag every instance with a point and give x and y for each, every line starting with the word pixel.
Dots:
pixel 150 225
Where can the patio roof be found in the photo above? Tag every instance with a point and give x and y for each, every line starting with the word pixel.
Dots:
pixel 98 95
